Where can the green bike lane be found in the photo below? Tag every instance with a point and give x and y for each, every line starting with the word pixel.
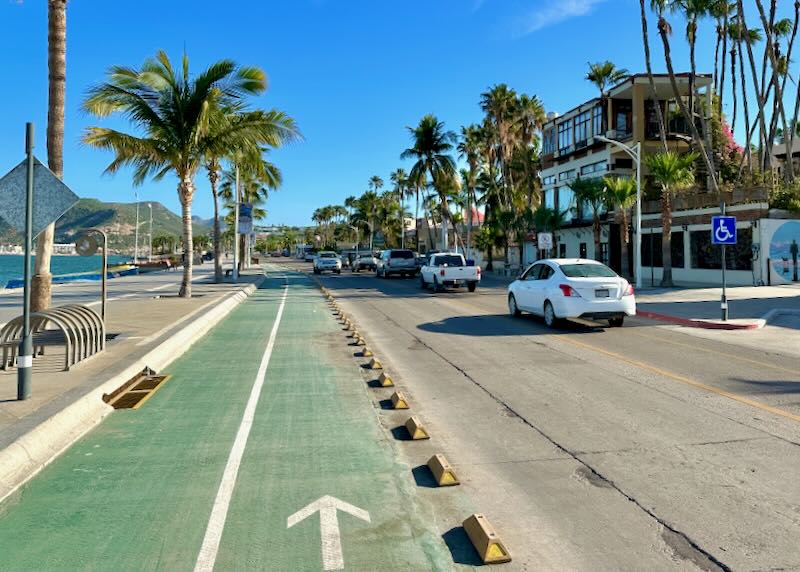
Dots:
pixel 137 492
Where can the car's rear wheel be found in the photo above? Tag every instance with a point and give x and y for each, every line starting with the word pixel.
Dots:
pixel 436 286
pixel 616 322
pixel 471 286
pixel 422 283
pixel 550 319
pixel 513 309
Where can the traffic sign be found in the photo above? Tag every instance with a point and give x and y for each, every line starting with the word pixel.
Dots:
pixel 51 197
pixel 723 230
pixel 545 240
pixel 85 245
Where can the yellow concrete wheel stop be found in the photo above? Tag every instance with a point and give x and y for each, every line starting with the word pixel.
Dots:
pixel 367 353
pixel 416 429
pixel 385 381
pixel 485 540
pixel 442 471
pixel 374 364
pixel 399 400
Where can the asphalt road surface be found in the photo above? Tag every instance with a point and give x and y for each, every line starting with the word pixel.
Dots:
pixel 636 448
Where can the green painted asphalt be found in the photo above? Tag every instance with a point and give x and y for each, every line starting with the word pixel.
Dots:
pixel 136 493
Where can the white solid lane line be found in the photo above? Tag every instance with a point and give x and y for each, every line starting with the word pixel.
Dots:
pixel 219 512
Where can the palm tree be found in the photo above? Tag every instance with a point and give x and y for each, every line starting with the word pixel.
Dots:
pixel 662 130
pixel 367 213
pixel 621 194
pixel 42 281
pixel 469 148
pixel 500 106
pixel 400 180
pixel 375 183
pixel 530 118
pixel 431 145
pixel 592 193
pixel 605 74
pixel 271 128
pixel 172 113
pixel 672 172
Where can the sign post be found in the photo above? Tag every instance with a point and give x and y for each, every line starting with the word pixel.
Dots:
pixel 25 358
pixel 544 241
pixel 86 245
pixel 31 197
pixel 723 233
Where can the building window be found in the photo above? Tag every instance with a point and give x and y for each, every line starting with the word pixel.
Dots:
pixel 549 141
pixel 562 250
pixel 582 123
pixel 582 249
pixel 565 136
pixel 600 167
pixel 652 254
pixel 564 175
pixel 709 256
pixel 549 180
pixel 597 120
pixel 566 201
pixel 550 198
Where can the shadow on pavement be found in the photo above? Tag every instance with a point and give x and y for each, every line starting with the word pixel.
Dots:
pixel 461 548
pixel 424 477
pixel 400 433
pixel 504 325
pixel 767 387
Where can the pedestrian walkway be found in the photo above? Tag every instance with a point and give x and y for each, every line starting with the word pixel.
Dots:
pixel 210 462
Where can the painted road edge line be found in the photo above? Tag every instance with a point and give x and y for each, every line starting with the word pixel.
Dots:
pixel 219 512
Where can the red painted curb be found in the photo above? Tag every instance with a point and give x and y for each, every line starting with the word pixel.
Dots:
pixel 694 323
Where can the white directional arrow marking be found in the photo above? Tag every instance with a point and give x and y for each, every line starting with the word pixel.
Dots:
pixel 327 506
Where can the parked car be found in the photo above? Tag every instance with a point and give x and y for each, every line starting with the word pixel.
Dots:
pixel 365 262
pixel 327 261
pixel 561 288
pixel 396 261
pixel 449 269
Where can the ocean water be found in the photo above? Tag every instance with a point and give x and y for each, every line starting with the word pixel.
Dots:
pixel 12 265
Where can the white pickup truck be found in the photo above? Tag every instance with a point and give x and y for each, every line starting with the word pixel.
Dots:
pixel 448 269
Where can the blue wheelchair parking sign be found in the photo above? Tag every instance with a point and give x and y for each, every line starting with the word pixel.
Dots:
pixel 723 230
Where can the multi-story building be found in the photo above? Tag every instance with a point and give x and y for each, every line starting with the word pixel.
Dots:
pixel 572 147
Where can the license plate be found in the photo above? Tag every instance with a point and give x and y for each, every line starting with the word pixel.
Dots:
pixel 601 293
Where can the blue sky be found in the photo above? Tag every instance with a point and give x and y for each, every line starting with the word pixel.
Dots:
pixel 353 73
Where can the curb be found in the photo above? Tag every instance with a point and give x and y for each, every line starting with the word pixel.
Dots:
pixel 30 453
pixel 703 324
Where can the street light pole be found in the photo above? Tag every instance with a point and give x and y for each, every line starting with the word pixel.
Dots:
pixel 136 234
pixel 634 153
pixel 150 237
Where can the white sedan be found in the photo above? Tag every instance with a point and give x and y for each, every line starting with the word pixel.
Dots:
pixel 562 288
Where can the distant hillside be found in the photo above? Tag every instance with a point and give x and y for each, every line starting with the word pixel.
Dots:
pixel 117 219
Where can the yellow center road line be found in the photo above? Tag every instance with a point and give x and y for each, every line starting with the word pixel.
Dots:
pixel 732 356
pixel 665 373
pixel 687 381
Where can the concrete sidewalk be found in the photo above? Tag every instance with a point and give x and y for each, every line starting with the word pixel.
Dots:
pixel 145 330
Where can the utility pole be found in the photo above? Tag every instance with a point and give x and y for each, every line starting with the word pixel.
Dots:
pixel 136 234
pixel 150 237
pixel 236 228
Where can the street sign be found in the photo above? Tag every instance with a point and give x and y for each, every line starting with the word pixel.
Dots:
pixel 545 240
pixel 327 507
pixel 51 197
pixel 723 230
pixel 85 245
pixel 245 218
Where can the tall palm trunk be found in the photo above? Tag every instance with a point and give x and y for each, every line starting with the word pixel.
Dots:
pixel 596 231
pixel 186 193
pixel 721 90
pixel 42 282
pixel 213 178
pixel 662 131
pixel 708 158
pixel 778 99
pixel 733 87
pixel 666 239
pixel 746 109
pixel 759 94
pixel 623 243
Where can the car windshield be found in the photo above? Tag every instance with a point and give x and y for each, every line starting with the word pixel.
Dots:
pixel 401 254
pixel 587 271
pixel 449 260
pixel 327 255
pixel 365 257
